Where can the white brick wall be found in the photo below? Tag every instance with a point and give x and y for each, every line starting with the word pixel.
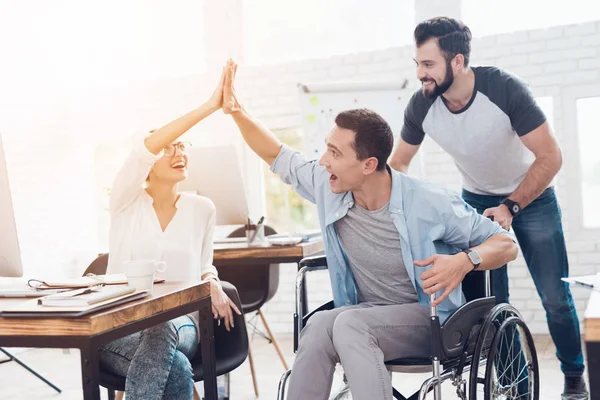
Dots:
pixel 549 60
pixel 58 206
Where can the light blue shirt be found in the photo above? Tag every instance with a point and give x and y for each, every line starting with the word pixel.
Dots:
pixel 430 220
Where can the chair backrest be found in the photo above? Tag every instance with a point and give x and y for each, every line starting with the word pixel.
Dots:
pixel 231 347
pixel 98 266
pixel 255 283
pixel 473 285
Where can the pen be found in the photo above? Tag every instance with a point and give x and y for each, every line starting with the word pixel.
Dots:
pixel 587 285
pixel 260 221
pixel 575 281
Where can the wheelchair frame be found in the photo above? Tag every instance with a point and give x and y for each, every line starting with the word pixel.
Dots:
pixel 446 364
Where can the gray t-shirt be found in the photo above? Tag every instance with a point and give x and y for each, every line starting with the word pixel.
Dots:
pixel 484 136
pixel 372 245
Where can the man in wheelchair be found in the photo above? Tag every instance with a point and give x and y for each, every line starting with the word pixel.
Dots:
pixel 391 241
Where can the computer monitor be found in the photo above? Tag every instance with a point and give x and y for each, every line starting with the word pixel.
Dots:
pixel 10 253
pixel 215 172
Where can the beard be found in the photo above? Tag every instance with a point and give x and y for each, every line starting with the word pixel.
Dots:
pixel 441 88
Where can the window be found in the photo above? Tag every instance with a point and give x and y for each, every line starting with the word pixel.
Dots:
pixel 108 160
pixel 546 104
pixel 302 214
pixel 589 143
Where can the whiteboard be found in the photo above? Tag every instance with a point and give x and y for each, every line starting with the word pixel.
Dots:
pixel 321 102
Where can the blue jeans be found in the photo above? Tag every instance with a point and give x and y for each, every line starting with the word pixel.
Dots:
pixel 539 231
pixel 155 361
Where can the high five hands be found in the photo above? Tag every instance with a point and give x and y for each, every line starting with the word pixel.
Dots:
pixel 230 100
pixel 224 95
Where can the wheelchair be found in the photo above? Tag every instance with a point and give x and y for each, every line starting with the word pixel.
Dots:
pixel 488 342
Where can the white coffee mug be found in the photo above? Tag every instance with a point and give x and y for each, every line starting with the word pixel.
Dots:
pixel 140 273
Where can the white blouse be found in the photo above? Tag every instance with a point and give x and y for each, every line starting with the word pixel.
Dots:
pixel 186 245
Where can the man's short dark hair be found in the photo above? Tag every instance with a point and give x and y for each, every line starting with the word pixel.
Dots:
pixel 452 35
pixel 374 137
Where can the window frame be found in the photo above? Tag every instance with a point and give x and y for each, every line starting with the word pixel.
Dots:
pixel 572 162
pixel 287 189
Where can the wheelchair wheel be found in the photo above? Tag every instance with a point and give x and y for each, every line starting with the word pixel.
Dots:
pixel 487 331
pixel 511 370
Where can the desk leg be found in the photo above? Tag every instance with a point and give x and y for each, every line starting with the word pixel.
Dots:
pixel 593 368
pixel 207 344
pixel 90 371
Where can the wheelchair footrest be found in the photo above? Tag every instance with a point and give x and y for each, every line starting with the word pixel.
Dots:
pixel 409 361
pixel 409 365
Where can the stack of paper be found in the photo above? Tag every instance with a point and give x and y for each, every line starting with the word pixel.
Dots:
pixel 23 290
pixel 85 297
pixel 83 282
pixel 88 300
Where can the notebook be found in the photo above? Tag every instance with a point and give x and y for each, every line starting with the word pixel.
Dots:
pixel 31 308
pixel 85 297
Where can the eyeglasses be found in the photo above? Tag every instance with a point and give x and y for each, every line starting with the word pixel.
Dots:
pixel 171 149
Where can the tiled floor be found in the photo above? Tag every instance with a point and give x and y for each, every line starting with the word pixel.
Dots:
pixel 63 369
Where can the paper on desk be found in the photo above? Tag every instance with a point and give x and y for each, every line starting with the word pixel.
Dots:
pixel 86 296
pixel 32 306
pixel 86 281
pixel 120 279
pixel 591 282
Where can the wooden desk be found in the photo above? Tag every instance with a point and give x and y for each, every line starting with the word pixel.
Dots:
pixel 241 253
pixel 592 343
pixel 87 333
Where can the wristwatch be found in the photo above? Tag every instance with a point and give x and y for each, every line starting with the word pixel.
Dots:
pixel 513 207
pixel 474 257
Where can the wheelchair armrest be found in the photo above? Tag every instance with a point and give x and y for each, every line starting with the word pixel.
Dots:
pixel 314 261
pixel 308 264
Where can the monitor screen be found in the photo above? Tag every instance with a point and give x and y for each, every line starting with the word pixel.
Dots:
pixel 10 254
pixel 215 172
